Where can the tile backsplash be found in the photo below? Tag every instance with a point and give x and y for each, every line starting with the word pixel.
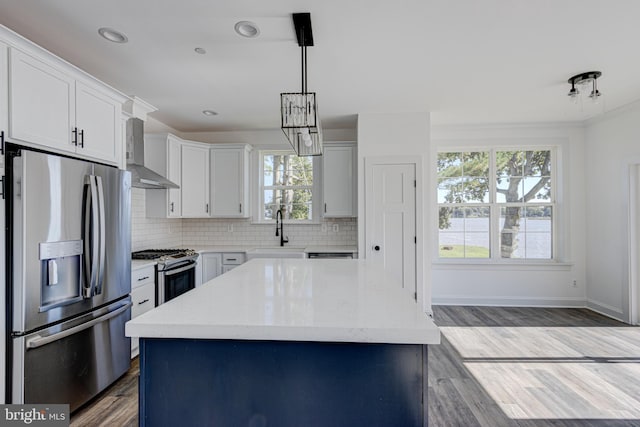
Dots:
pixel 165 233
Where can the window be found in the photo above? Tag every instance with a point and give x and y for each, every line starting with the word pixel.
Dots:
pixel 287 184
pixel 508 216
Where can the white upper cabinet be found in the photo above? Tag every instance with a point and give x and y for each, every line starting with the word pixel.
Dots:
pixel 339 180
pixel 55 106
pixel 41 103
pixel 230 180
pixel 163 154
pixel 98 124
pixel 195 180
pixel 185 163
pixel 4 97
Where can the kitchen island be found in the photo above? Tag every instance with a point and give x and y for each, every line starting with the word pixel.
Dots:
pixel 287 342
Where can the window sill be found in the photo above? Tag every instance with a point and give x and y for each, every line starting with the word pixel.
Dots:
pixel 461 264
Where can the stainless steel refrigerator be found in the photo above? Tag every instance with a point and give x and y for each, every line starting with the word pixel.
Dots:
pixel 69 271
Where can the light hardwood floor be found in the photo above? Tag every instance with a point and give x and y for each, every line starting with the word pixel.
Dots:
pixel 496 366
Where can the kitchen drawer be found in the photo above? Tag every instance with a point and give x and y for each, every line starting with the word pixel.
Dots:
pixel 143 276
pixel 233 258
pixel 143 299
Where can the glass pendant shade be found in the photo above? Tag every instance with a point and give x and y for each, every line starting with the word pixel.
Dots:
pixel 301 123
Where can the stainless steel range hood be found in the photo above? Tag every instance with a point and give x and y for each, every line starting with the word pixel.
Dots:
pixel 141 177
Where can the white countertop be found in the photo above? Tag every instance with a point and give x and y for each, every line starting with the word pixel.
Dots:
pixel 294 300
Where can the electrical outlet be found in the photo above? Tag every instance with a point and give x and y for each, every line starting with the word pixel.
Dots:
pixel 323 227
pixel 230 228
pixel 336 228
pixel 575 283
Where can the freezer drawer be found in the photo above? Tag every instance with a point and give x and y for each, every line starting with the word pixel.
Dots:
pixel 74 361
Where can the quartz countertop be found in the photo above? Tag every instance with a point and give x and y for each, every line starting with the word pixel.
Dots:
pixel 294 300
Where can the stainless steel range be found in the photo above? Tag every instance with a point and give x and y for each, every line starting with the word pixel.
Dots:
pixel 175 271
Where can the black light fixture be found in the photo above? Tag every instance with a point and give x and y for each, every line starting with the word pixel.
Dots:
pixel 299 110
pixel 584 81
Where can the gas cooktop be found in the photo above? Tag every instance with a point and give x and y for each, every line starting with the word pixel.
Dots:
pixel 162 254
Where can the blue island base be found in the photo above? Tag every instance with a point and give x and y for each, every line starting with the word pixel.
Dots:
pixel 188 382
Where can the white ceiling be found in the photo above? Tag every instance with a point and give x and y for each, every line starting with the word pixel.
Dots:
pixel 466 61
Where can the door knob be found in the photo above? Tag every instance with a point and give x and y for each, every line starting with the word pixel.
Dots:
pixel 376 248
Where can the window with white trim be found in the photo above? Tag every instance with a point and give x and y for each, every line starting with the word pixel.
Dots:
pixel 287 184
pixel 496 204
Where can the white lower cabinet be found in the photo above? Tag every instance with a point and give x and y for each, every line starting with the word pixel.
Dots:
pixel 211 266
pixel 143 297
pixel 231 260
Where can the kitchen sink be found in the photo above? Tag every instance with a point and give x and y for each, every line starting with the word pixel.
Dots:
pixel 276 252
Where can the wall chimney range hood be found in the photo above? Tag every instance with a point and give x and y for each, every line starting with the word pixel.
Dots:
pixel 141 177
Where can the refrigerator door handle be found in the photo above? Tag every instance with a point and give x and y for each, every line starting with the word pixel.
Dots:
pixel 102 235
pixel 91 236
pixel 39 341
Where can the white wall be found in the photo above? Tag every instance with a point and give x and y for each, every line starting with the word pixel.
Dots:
pixel 531 284
pixel 613 146
pixel 398 134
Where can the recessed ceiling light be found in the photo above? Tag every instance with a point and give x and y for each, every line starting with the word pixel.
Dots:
pixel 247 29
pixel 200 50
pixel 113 35
pixel 209 113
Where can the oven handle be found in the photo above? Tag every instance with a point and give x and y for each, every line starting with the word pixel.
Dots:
pixel 179 270
pixel 39 341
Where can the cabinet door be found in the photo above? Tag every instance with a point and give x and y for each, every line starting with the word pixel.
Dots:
pixel 228 183
pixel 4 103
pixel 98 123
pixel 41 103
pixel 195 181
pixel 211 266
pixel 174 174
pixel 338 181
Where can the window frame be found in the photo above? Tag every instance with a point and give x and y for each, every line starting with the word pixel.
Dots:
pixel 495 206
pixel 315 188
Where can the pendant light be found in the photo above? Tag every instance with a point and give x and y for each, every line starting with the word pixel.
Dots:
pixel 299 110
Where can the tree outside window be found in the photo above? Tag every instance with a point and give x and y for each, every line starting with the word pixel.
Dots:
pixel 287 185
pixel 518 204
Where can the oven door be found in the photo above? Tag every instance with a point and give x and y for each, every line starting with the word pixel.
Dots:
pixel 175 280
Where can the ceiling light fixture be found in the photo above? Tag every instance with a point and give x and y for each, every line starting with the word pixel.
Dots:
pixel 209 113
pixel 580 85
pixel 247 29
pixel 112 35
pixel 200 50
pixel 299 110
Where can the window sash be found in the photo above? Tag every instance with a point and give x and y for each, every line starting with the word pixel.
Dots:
pixel 496 206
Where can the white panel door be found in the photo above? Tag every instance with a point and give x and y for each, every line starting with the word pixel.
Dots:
pixel 195 181
pixel 98 123
pixel 391 221
pixel 41 103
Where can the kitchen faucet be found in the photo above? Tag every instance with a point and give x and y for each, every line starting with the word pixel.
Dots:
pixel 279 229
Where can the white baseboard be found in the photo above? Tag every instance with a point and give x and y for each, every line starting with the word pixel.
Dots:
pixel 511 301
pixel 606 310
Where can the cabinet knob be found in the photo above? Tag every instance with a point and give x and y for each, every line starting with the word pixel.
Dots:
pixel 376 248
pixel 143 301
pixel 82 138
pixel 171 207
pixel 74 141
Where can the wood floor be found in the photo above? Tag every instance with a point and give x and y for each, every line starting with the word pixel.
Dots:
pixel 520 367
